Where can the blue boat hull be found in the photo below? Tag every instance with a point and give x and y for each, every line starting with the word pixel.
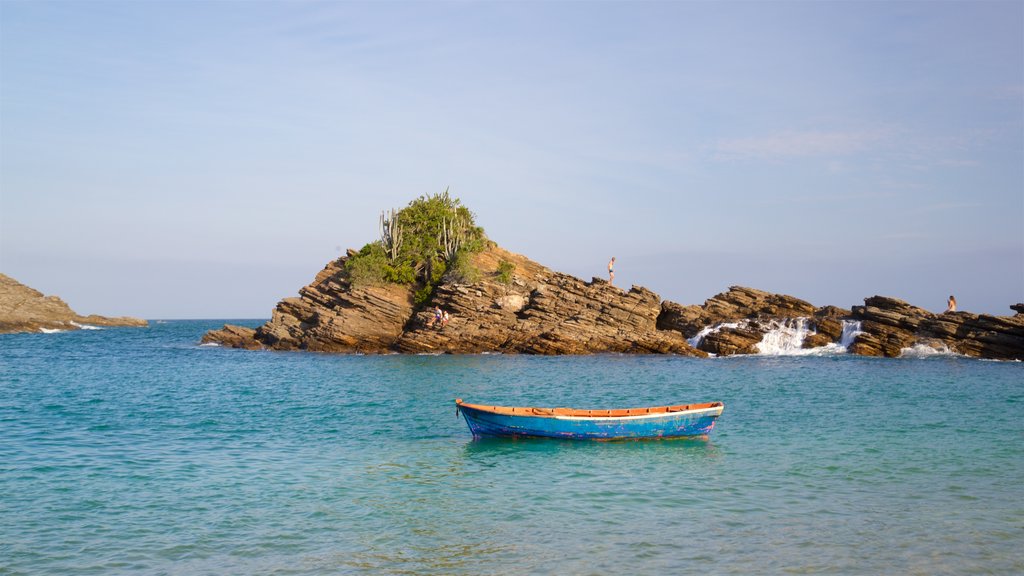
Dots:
pixel 698 422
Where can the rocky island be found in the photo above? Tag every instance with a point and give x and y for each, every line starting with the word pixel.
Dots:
pixel 23 309
pixel 431 255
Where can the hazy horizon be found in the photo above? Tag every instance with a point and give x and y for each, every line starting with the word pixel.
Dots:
pixel 204 160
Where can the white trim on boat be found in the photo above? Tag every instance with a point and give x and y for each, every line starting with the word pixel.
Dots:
pixel 700 411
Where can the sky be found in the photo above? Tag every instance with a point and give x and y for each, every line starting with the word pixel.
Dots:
pixel 207 159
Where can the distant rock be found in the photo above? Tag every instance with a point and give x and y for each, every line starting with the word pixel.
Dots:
pixel 23 309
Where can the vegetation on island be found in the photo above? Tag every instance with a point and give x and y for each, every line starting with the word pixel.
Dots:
pixel 505 270
pixel 430 240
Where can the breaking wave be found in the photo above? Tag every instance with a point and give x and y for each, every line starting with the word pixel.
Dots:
pixel 85 326
pixel 786 337
pixel 927 351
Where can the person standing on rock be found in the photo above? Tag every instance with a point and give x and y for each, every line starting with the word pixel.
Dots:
pixel 611 270
pixel 951 304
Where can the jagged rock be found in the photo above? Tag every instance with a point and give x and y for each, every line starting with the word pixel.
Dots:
pixel 540 312
pixel 818 340
pixel 333 316
pixel 891 325
pixel 233 337
pixel 688 320
pixel 738 303
pixel 1018 308
pixel 828 327
pixel 546 312
pixel 23 309
pixel 729 341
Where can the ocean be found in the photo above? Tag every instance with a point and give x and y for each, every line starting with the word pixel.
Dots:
pixel 138 451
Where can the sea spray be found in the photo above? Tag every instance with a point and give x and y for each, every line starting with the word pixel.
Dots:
pixel 851 329
pixel 784 337
pixel 707 330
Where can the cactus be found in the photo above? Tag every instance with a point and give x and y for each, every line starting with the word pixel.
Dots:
pixel 451 237
pixel 390 234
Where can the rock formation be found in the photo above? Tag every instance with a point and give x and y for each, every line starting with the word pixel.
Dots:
pixel 23 309
pixel 540 311
pixel 891 325
pixel 735 322
pixel 742 317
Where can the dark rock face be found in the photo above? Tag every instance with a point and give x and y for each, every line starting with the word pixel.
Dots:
pixel 23 309
pixel 539 312
pixel 890 325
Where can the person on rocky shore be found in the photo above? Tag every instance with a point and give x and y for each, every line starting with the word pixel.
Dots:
pixel 951 304
pixel 436 318
pixel 611 270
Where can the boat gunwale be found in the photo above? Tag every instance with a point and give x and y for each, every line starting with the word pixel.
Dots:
pixel 588 414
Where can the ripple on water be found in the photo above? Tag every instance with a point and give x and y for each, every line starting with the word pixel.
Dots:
pixel 140 452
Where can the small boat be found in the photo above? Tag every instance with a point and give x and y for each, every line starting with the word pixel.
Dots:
pixel 629 423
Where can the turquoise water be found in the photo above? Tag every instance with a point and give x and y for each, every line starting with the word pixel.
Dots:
pixel 137 451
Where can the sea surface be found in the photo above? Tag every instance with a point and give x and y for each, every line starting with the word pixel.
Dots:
pixel 137 451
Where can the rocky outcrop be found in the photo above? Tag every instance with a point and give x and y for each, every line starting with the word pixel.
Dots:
pixel 736 321
pixel 891 325
pixel 23 309
pixel 330 315
pixel 738 303
pixel 539 311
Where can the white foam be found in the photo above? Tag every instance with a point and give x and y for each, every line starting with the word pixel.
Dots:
pixel 851 329
pixel 211 344
pixel 696 340
pixel 51 330
pixel 784 338
pixel 85 326
pixel 927 351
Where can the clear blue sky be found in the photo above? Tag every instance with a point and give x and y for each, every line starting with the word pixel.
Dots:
pixel 206 159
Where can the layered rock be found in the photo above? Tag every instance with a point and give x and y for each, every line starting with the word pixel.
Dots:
pixel 330 315
pixel 539 311
pixel 23 309
pixel 891 325
pixel 736 322
pixel 742 316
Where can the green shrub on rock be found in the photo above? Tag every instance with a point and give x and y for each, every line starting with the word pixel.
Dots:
pixel 505 270
pixel 434 235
